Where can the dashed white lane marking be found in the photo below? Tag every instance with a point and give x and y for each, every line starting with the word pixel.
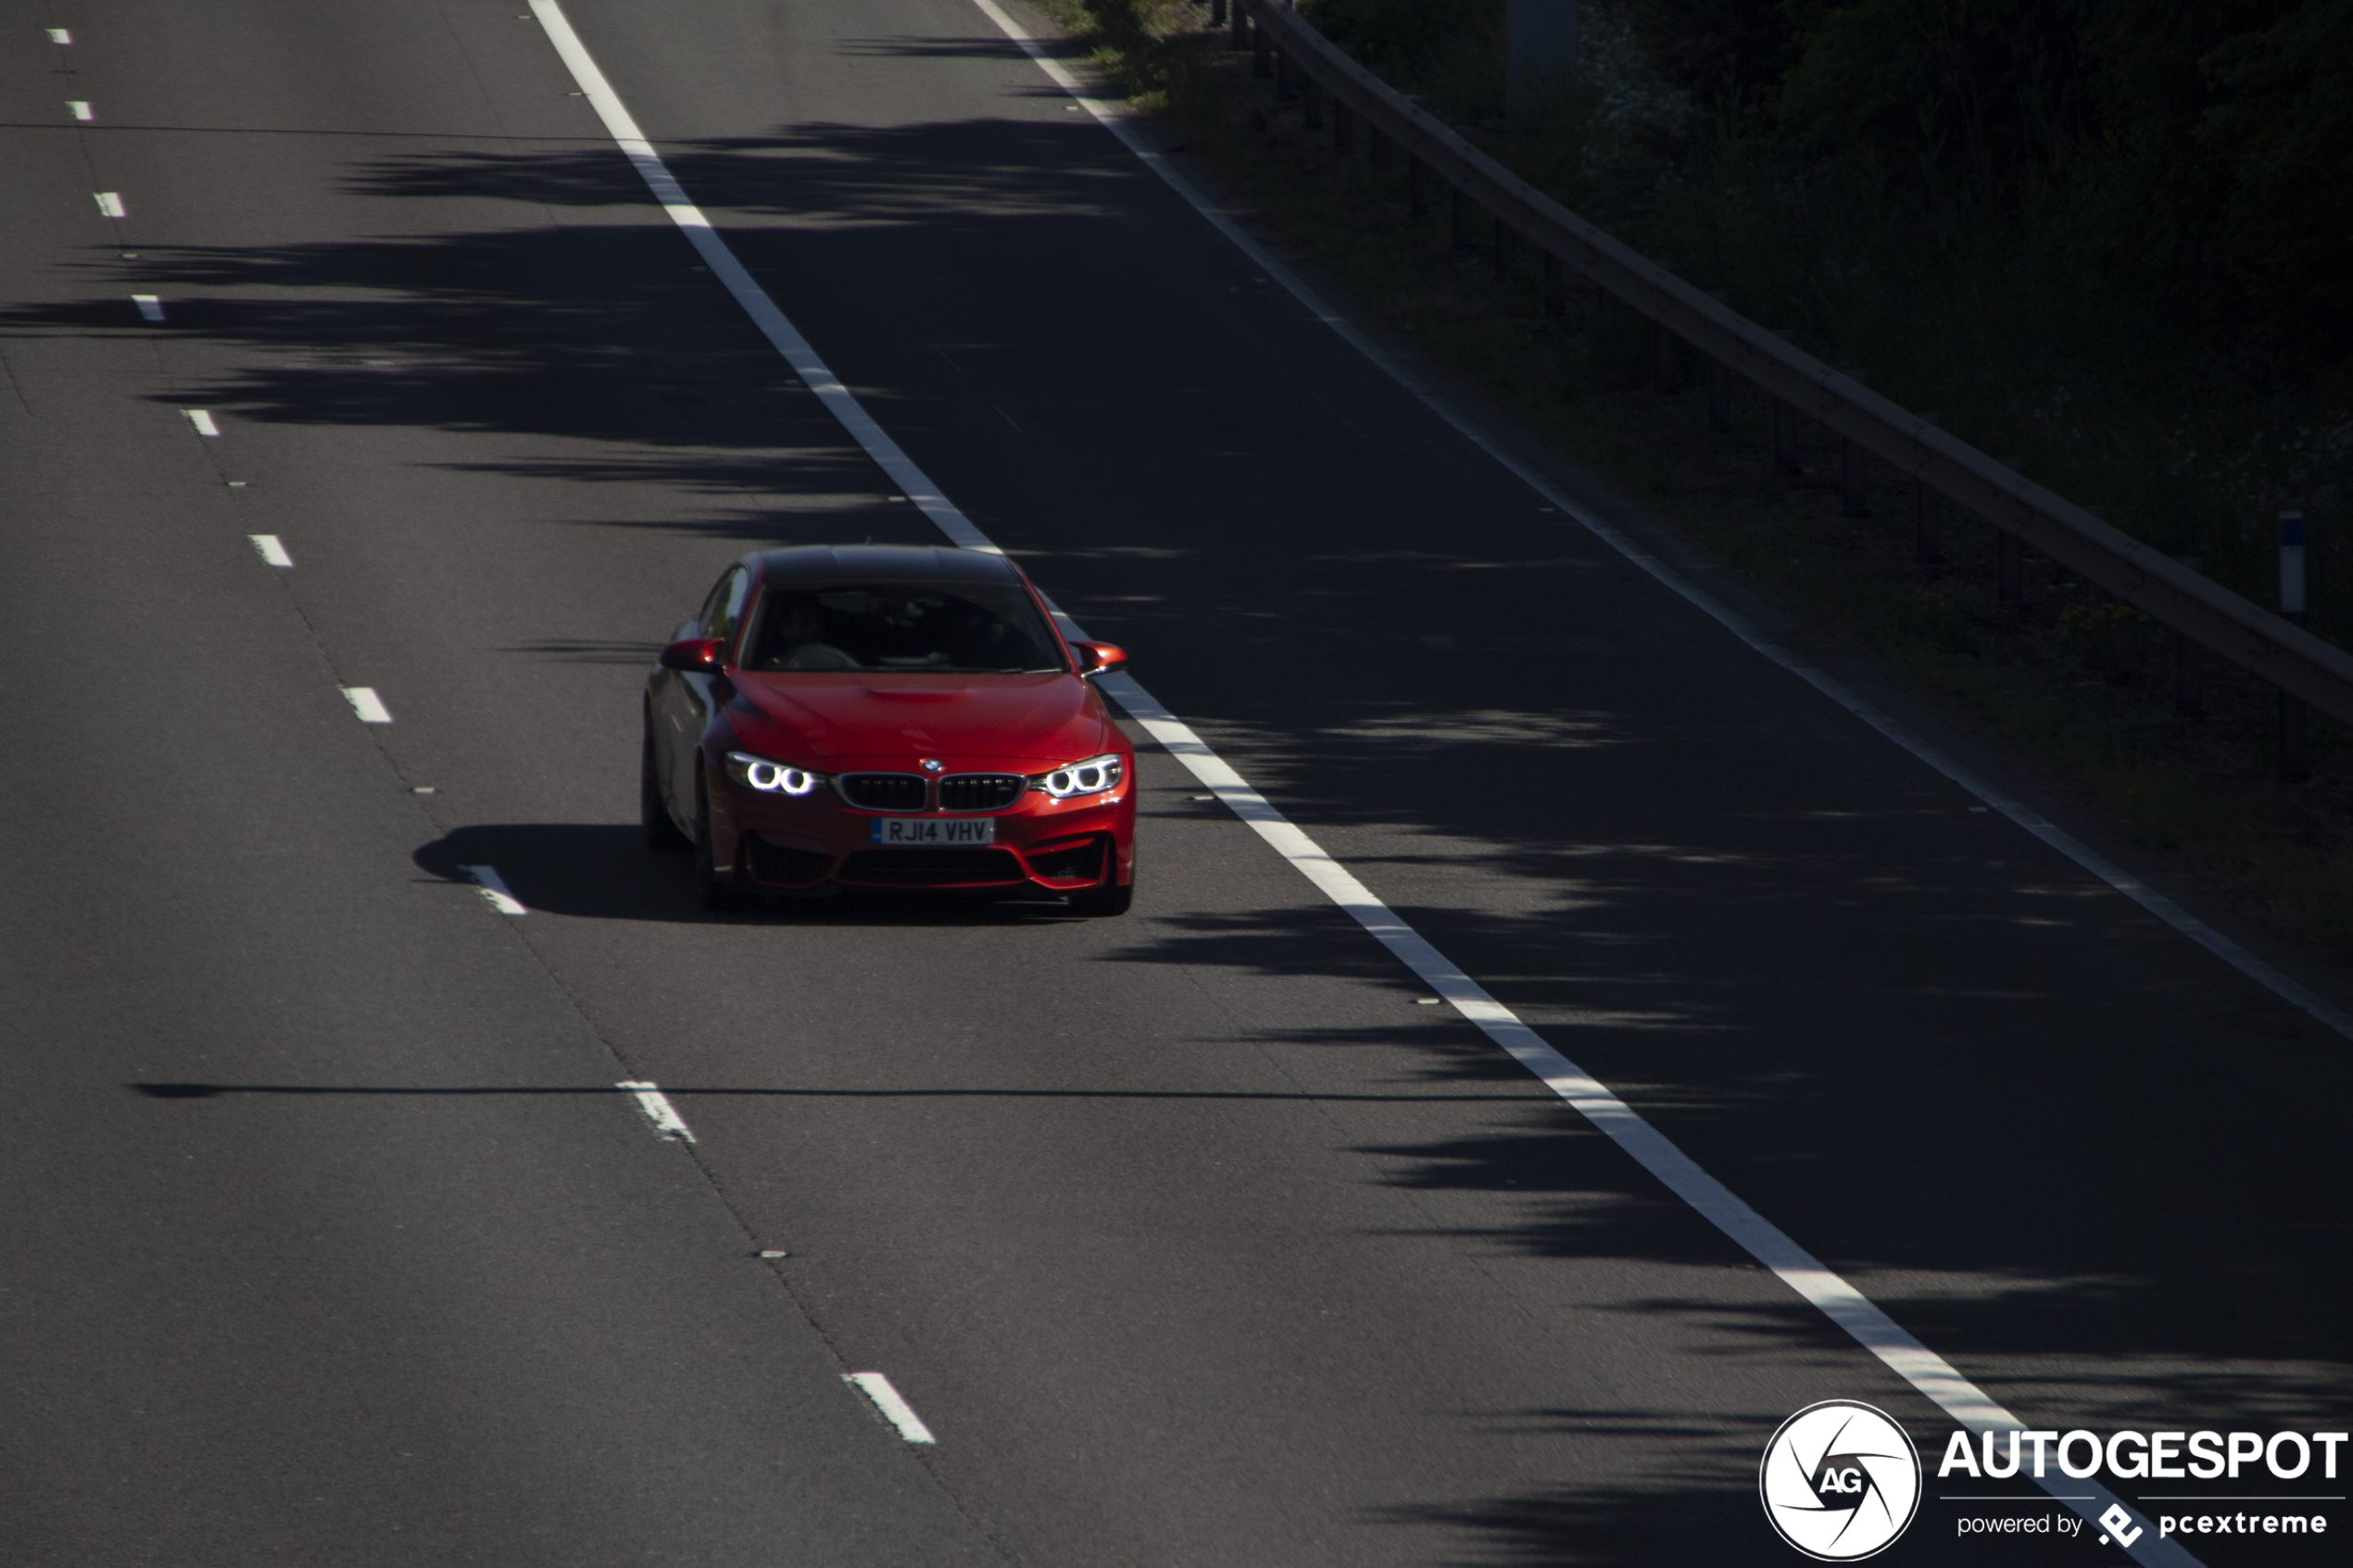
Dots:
pixel 202 420
pixel 80 109
pixel 367 705
pixel 150 306
pixel 667 1123
pixel 894 1408
pixel 59 35
pixel 272 550
pixel 494 891
pixel 109 204
pixel 1837 1300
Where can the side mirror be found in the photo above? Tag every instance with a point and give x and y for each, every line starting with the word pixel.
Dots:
pixel 696 656
pixel 1099 658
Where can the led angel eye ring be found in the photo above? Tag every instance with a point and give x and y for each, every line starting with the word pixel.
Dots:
pixel 1090 777
pixel 772 778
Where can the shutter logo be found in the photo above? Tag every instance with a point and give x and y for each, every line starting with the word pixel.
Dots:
pixel 1840 1481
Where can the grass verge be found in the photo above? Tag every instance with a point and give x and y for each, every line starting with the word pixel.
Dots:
pixel 2088 684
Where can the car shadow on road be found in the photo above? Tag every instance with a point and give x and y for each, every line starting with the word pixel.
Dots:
pixel 604 870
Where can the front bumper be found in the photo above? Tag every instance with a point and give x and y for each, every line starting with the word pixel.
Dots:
pixel 762 840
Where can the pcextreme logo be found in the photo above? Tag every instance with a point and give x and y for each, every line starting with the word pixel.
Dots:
pixel 1840 1481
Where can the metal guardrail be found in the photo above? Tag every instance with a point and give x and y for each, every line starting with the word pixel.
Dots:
pixel 2301 664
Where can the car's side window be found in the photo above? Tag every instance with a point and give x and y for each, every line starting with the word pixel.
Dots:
pixel 723 612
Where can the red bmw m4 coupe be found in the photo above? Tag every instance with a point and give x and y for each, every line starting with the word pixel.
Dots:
pixel 886 716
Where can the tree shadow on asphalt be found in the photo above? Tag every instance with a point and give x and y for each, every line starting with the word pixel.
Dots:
pixel 2101 1323
pixel 599 871
pixel 612 333
pixel 631 653
pixel 1785 984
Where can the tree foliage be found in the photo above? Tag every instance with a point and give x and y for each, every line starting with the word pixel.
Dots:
pixel 2201 154
pixel 2199 157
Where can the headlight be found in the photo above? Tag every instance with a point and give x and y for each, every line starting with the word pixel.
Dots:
pixel 772 778
pixel 1090 777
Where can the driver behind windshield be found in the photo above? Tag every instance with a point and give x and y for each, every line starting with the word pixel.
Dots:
pixel 792 636
pixel 972 629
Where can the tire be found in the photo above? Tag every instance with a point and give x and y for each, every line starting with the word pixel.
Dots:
pixel 1102 903
pixel 660 831
pixel 716 896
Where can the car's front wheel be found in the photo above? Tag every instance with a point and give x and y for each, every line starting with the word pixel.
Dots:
pixel 660 831
pixel 1098 903
pixel 715 894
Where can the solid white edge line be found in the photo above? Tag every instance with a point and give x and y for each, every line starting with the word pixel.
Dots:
pixel 150 305
pixel 1862 1319
pixel 202 420
pixel 667 1123
pixel 271 549
pixel 494 891
pixel 367 705
pixel 894 1408
pixel 1845 1305
pixel 904 475
pixel 1116 120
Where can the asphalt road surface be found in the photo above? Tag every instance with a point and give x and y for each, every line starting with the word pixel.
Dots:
pixel 1193 1237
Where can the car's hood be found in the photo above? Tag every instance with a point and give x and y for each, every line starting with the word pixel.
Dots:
pixel 894 721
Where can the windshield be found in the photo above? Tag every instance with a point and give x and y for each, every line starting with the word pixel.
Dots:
pixel 963 628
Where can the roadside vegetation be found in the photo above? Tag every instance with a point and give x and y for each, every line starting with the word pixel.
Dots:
pixel 2109 239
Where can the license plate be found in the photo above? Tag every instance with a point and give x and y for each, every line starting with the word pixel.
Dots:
pixel 934 830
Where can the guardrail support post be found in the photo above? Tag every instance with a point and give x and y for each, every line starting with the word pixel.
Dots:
pixel 1555 296
pixel 1239 37
pixel 2185 689
pixel 1784 426
pixel 1928 530
pixel 1286 78
pixel 1854 499
pixel 2294 757
pixel 1458 213
pixel 1661 359
pixel 1310 98
pixel 1262 52
pixel 2009 555
pixel 1343 128
pixel 1784 438
pixel 1376 148
pixel 1719 386
pixel 1416 186
pixel 1216 13
pixel 1503 251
